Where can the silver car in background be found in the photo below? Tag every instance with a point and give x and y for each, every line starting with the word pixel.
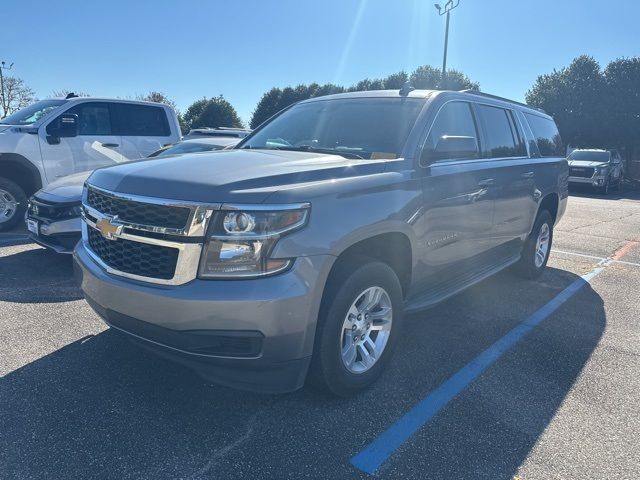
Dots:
pixel 53 212
pixel 600 169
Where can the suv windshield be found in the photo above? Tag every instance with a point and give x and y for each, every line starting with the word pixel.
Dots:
pixel 354 128
pixel 32 113
pixel 589 156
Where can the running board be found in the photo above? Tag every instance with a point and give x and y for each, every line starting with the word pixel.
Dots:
pixel 439 292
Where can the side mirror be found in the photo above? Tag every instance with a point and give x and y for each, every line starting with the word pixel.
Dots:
pixel 450 147
pixel 65 126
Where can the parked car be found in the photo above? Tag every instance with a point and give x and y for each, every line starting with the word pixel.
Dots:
pixel 53 212
pixel 298 255
pixel 54 138
pixel 196 145
pixel 601 169
pixel 217 132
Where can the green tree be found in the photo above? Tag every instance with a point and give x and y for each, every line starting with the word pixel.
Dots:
pixel 574 96
pixel 424 77
pixel 622 107
pixel 430 78
pixel 213 112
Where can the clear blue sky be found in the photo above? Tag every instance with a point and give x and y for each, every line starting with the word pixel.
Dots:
pixel 194 48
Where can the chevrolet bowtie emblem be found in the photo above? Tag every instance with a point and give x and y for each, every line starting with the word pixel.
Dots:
pixel 109 230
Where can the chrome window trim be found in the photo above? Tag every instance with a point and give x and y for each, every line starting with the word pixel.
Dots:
pixel 423 141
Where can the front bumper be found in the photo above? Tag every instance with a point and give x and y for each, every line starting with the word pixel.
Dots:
pixel 593 181
pixel 60 236
pixel 251 334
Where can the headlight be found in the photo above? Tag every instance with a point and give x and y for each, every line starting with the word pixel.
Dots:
pixel 74 211
pixel 240 240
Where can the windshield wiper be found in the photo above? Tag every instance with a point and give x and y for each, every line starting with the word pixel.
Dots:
pixel 309 148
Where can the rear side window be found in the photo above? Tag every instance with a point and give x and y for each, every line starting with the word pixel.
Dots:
pixel 501 135
pixel 547 135
pixel 94 118
pixel 142 121
pixel 455 119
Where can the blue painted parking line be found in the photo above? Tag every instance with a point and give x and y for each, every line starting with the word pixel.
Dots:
pixel 378 451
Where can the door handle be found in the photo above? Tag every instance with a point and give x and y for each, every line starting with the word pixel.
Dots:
pixel 486 182
pixel 110 145
pixel 527 175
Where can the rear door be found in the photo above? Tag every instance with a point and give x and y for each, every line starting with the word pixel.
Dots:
pixel 514 172
pixel 144 129
pixel 97 143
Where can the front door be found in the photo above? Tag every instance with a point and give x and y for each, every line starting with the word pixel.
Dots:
pixel 457 223
pixel 95 146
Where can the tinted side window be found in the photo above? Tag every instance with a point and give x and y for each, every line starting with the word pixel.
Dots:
pixel 501 135
pixel 455 119
pixel 94 118
pixel 142 121
pixel 547 135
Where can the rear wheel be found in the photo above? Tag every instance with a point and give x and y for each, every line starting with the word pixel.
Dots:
pixel 13 202
pixel 537 247
pixel 357 328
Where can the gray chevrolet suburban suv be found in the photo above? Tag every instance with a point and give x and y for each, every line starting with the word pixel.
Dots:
pixel 294 256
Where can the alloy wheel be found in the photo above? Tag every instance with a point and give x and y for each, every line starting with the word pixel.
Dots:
pixel 366 330
pixel 8 206
pixel 542 245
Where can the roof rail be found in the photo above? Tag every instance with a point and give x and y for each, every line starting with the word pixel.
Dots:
pixel 496 97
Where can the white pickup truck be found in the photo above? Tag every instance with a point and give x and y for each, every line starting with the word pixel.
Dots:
pixel 57 137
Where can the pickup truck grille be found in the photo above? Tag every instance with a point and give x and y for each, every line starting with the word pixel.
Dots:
pixel 135 258
pixel 584 172
pixel 136 212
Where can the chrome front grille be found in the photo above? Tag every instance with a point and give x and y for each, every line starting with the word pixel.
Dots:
pixel 147 239
pixel 136 212
pixel 583 172
pixel 136 258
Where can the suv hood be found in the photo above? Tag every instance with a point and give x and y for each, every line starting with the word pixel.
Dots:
pixel 587 163
pixel 242 176
pixel 65 190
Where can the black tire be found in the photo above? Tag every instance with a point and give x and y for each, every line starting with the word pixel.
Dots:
pixel 327 370
pixel 17 215
pixel 526 267
pixel 606 188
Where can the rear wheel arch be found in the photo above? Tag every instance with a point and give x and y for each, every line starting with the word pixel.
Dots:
pixel 550 203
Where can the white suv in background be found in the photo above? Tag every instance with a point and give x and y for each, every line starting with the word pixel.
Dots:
pixel 54 138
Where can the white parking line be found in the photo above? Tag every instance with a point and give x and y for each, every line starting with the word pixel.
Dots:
pixel 576 254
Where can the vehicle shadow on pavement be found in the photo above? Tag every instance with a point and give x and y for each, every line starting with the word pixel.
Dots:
pixel 37 276
pixel 102 408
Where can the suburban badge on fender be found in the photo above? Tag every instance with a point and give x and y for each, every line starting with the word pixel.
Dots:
pixel 109 230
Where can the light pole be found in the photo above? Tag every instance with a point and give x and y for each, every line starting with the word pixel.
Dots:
pixel 2 99
pixel 450 5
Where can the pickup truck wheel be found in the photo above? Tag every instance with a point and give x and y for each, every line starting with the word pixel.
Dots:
pixel 537 247
pixel 13 203
pixel 357 328
pixel 604 190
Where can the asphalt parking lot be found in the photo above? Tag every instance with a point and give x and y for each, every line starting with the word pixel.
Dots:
pixel 79 401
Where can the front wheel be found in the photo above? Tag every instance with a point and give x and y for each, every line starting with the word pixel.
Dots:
pixel 537 247
pixel 357 328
